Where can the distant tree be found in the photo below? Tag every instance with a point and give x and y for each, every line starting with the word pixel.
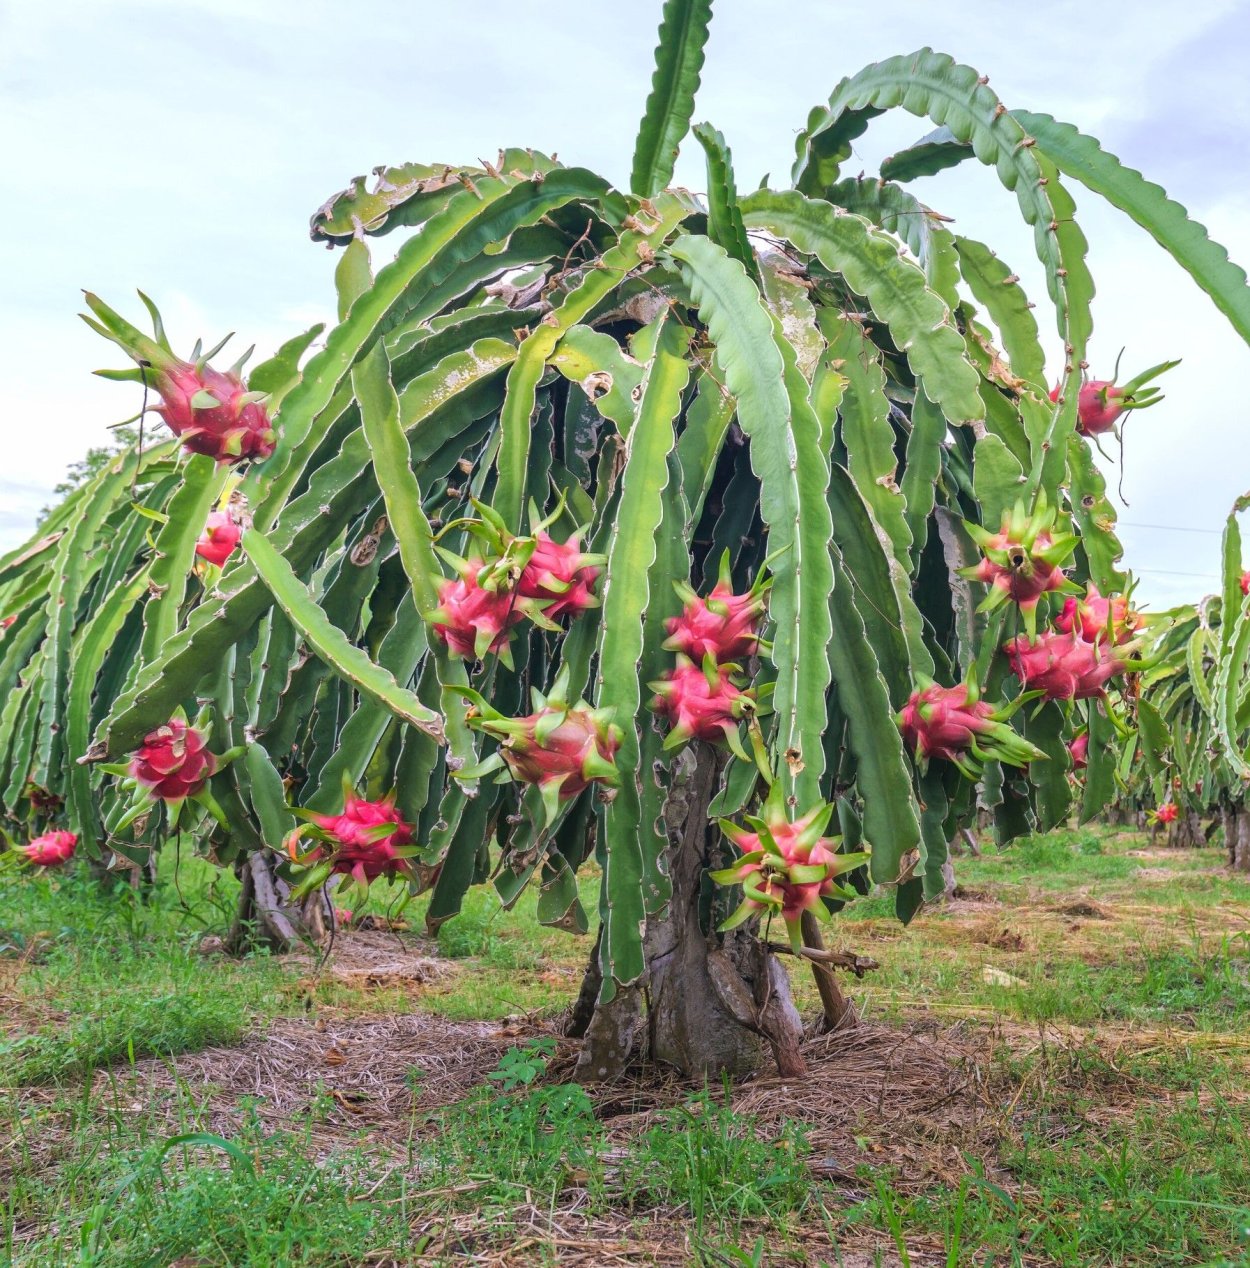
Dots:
pixel 90 463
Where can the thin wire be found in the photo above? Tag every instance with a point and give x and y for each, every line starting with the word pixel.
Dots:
pixel 1167 572
pixel 1172 528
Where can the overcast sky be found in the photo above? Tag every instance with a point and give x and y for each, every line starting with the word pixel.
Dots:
pixel 180 146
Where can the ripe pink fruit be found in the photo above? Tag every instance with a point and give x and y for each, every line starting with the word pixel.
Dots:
pixel 566 748
pixel 1097 618
pixel 559 577
pixel 220 537
pixel 951 723
pixel 1064 666
pixel 1167 813
pixel 52 849
pixel 472 619
pixel 560 749
pixel 785 867
pixel 701 703
pixel 1078 750
pixel 1023 560
pixel 211 412
pixel 725 626
pixel 173 762
pixel 363 840
pixel 5 622
pixel 343 917
pixel 1245 589
pixel 1100 403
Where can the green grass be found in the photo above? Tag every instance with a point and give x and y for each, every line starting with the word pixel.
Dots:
pixel 263 1198
pixel 1169 1187
pixel 1107 1152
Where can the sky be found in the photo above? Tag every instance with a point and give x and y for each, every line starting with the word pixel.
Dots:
pixel 180 147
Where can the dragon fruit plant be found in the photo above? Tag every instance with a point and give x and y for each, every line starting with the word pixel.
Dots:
pixel 565 434
pixel 1190 750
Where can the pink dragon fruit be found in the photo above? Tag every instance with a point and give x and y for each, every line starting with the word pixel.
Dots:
pixel 1098 618
pixel 343 917
pixel 1023 560
pixel 364 841
pixel 785 867
pixel 1065 666
pixel 953 724
pixel 173 762
pixel 211 412
pixel 472 619
pixel 51 850
pixel 6 623
pixel 725 626
pixel 220 537
pixel 1169 812
pixel 702 703
pixel 558 577
pixel 1078 750
pixel 1245 588
pixel 1100 403
pixel 560 748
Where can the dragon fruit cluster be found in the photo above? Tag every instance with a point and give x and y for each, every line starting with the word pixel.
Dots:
pixel 561 748
pixel 1092 642
pixel 785 867
pixel 210 411
pixel 1101 403
pixel 1022 561
pixel 703 696
pixel 953 724
pixel 535 577
pixel 365 840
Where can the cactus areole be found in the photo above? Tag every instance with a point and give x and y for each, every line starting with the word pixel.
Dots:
pixel 637 532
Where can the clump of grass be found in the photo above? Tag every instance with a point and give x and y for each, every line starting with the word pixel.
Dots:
pixel 261 1198
pixel 704 1157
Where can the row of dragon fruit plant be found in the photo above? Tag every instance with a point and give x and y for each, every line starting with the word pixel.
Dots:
pixel 585 485
pixel 1189 769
